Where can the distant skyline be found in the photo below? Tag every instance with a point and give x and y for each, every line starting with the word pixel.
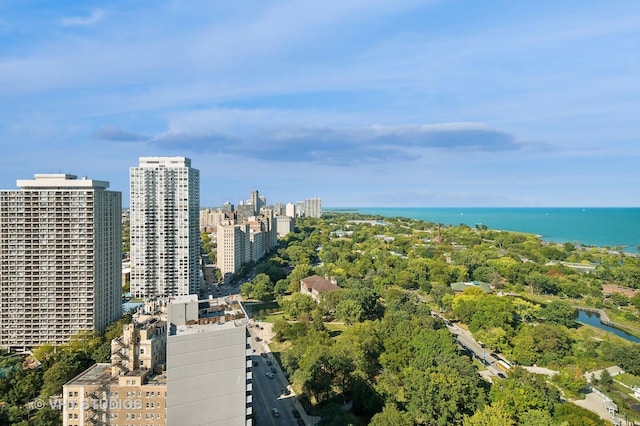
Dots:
pixel 361 103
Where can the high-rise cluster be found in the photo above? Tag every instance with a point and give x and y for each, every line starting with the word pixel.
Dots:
pixel 244 234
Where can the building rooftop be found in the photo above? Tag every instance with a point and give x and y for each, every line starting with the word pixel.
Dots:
pixel 207 315
pixel 478 284
pixel 319 284
pixel 96 374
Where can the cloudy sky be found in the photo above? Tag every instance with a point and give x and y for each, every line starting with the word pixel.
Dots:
pixel 359 102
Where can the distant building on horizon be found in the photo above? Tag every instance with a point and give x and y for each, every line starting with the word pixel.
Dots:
pixel 313 207
pixel 61 259
pixel 165 229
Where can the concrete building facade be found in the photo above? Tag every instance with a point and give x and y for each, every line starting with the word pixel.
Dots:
pixel 234 247
pixel 208 366
pixel 313 207
pixel 284 225
pixel 60 259
pixel 165 229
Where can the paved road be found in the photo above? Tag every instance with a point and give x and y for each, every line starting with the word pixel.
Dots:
pixel 595 403
pixel 268 392
pixel 274 387
pixel 481 353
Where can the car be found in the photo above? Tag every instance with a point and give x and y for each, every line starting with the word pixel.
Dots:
pixel 276 412
pixel 273 370
pixel 269 362
pixel 269 374
pixel 263 355
pixel 295 413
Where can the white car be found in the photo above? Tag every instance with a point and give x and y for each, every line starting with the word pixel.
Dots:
pixel 269 374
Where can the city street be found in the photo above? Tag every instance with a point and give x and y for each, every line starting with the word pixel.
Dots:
pixel 269 393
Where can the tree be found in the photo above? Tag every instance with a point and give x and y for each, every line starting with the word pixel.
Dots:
pixel 570 414
pixel 427 403
pixel 281 287
pixel 363 342
pixel 349 311
pixel 524 309
pixel 491 415
pixel 464 307
pixel 329 301
pixel 56 376
pixel 300 271
pixel 390 415
pixel 437 293
pixel 262 291
pixel 541 283
pixel 619 299
pixel 635 300
pixel 47 417
pixel 493 312
pixel 246 289
pixel 495 338
pixel 297 304
pixel 44 351
pixel 572 379
pixel 522 391
pixel 558 312
pixel 605 379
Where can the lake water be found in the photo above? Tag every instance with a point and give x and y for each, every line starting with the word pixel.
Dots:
pixel 602 227
pixel 593 319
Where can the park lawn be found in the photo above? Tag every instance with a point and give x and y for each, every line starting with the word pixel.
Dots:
pixel 272 317
pixel 335 329
pixel 628 379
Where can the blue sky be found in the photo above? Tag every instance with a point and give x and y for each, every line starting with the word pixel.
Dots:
pixel 359 102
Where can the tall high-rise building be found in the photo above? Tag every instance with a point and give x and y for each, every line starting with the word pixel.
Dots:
pixel 313 207
pixel 60 259
pixel 165 227
pixel 257 201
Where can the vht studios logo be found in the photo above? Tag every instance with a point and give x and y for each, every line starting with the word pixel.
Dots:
pixel 110 404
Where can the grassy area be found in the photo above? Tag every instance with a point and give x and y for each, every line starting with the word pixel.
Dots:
pixel 272 317
pixel 335 329
pixel 628 379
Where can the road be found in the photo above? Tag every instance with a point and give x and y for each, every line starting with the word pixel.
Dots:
pixel 481 353
pixel 268 393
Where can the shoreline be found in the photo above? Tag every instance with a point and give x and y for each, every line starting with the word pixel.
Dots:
pixel 615 229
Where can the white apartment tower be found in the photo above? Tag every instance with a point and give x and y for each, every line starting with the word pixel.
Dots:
pixel 165 228
pixel 60 259
pixel 313 207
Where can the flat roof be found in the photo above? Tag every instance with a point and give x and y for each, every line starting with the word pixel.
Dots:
pixel 202 328
pixel 97 373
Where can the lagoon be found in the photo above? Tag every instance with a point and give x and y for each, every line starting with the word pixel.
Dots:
pixel 593 319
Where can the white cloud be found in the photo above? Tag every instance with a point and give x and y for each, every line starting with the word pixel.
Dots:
pixel 96 16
